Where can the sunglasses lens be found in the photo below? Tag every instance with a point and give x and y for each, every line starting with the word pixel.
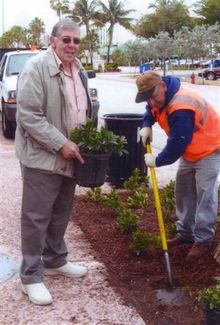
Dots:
pixel 67 40
pixel 76 41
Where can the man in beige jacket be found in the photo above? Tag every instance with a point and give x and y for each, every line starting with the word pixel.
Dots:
pixel 52 98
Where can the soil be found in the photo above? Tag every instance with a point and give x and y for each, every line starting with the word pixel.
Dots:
pixel 139 279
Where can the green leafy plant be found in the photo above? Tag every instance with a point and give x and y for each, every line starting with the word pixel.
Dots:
pixel 172 229
pixel 96 194
pixel 113 201
pixel 167 200
pixel 210 297
pixel 91 140
pixel 141 240
pixel 135 181
pixel 127 221
pixel 137 200
pixel 139 188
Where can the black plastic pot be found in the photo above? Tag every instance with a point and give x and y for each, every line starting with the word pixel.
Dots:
pixel 93 172
pixel 212 316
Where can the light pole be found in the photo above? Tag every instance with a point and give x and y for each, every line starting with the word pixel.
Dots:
pixel 3 17
pixel 164 29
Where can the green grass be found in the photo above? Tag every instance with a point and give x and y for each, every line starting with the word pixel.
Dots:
pixel 208 82
pixel 199 80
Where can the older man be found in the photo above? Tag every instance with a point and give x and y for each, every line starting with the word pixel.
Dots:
pixel 193 129
pixel 52 98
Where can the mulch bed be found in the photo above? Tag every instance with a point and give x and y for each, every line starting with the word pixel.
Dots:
pixel 137 278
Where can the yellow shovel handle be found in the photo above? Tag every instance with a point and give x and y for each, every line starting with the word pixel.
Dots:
pixel 157 204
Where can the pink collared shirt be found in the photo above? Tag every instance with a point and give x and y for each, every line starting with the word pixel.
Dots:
pixel 77 98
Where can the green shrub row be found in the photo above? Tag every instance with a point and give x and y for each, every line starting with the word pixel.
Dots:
pixel 126 219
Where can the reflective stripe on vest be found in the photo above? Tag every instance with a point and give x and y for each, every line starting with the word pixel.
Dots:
pixel 193 102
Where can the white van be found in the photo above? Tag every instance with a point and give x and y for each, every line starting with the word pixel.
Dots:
pixel 11 65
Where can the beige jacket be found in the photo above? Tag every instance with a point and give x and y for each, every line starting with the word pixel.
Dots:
pixel 43 117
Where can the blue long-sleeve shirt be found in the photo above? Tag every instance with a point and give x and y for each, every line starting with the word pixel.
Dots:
pixel 181 124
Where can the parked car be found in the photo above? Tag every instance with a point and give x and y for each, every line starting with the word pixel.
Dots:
pixel 205 63
pixel 11 65
pixel 215 63
pixel 210 73
pixel 210 63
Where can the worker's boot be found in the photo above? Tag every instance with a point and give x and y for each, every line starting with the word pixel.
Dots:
pixel 198 251
pixel 178 240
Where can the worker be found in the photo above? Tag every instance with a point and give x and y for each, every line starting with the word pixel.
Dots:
pixel 193 129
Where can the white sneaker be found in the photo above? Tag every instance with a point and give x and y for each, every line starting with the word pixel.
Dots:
pixel 37 293
pixel 69 270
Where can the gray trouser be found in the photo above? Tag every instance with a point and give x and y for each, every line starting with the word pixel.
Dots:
pixel 46 208
pixel 197 198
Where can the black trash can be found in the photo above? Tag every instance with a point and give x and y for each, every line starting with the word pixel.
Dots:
pixel 121 167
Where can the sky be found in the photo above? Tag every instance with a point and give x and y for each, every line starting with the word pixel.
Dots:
pixel 22 12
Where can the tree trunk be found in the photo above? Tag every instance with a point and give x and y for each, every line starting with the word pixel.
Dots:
pixel 109 44
pixel 89 44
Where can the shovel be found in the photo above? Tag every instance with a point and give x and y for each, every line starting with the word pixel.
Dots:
pixel 160 221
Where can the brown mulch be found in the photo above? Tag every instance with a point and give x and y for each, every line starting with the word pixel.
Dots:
pixel 137 278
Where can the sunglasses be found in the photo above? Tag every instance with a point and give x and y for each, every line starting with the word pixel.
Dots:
pixel 68 40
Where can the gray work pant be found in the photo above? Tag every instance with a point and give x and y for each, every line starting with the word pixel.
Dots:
pixel 197 198
pixel 46 208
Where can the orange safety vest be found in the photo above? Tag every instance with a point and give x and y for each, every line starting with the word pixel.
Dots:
pixel 206 135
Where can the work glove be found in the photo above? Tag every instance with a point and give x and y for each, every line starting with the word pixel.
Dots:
pixel 146 134
pixel 217 254
pixel 150 160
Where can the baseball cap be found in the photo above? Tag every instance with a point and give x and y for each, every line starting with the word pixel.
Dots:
pixel 146 84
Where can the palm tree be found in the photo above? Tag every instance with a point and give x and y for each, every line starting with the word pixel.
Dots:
pixel 60 6
pixel 15 37
pixel 114 13
pixel 36 28
pixel 84 12
pixel 161 5
pixel 165 8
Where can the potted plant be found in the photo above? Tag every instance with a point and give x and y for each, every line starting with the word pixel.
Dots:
pixel 95 146
pixel 210 300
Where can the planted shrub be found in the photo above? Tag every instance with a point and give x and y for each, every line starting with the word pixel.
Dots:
pixel 167 200
pixel 142 240
pixel 112 200
pixel 127 221
pixel 139 188
pixel 96 194
pixel 210 297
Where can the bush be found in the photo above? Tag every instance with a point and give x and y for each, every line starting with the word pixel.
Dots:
pixel 111 67
pixel 91 140
pixel 210 297
pixel 88 67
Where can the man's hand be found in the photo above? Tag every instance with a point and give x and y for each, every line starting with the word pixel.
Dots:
pixel 146 134
pixel 71 151
pixel 217 254
pixel 150 160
